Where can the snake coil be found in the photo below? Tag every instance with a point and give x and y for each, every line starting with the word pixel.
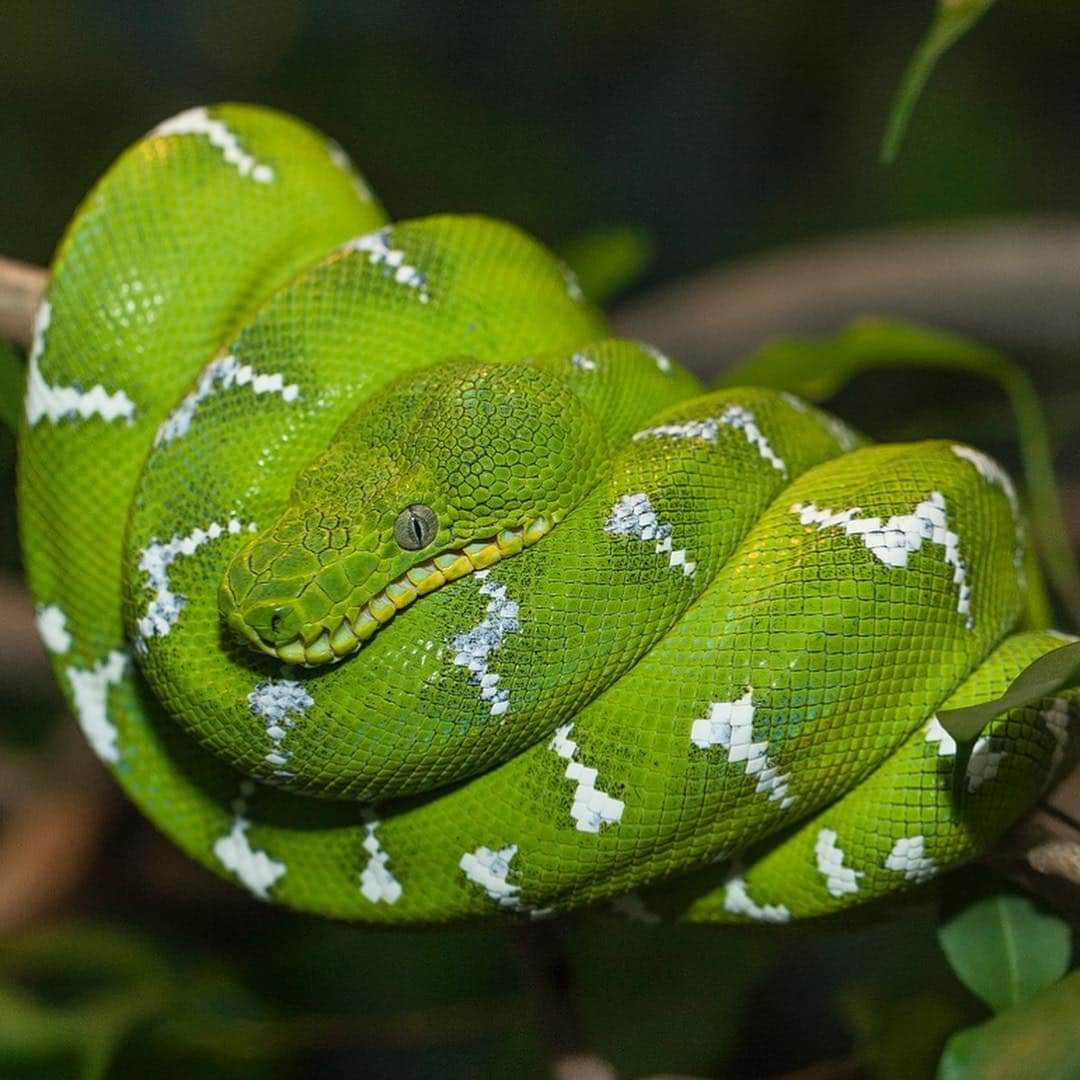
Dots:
pixel 388 586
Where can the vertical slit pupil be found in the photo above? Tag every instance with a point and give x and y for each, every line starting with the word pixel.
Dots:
pixel 415 527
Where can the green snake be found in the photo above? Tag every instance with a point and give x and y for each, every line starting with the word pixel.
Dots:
pixel 390 587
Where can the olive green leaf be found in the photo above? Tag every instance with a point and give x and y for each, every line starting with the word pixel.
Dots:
pixel 952 20
pixel 79 999
pixel 1039 1038
pixel 1004 950
pixel 1052 673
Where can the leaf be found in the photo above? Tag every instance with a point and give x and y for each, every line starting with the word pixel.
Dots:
pixel 608 261
pixel 1004 950
pixel 1040 1038
pixel 953 19
pixel 818 368
pixel 12 382
pixel 91 997
pixel 1052 673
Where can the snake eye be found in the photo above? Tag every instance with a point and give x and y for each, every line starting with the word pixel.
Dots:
pixel 416 526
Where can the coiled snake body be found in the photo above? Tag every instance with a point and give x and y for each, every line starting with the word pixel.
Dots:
pixel 390 588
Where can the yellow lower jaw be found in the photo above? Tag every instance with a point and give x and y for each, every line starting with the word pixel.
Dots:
pixel 350 634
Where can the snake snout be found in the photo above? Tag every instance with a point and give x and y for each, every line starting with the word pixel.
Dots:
pixel 271 627
pixel 274 624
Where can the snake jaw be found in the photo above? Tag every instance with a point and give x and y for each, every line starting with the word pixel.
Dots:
pixel 330 642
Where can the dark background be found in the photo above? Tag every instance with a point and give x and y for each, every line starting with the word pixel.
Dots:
pixel 715 131
pixel 720 129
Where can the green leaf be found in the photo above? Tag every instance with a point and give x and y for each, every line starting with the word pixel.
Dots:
pixel 953 19
pixel 818 368
pixel 1052 673
pixel 1004 950
pixel 1040 1038
pixel 608 261
pixel 12 382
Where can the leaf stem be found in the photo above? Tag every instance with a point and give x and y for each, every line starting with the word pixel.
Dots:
pixel 953 19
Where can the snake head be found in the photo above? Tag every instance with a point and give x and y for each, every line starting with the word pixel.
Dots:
pixel 446 471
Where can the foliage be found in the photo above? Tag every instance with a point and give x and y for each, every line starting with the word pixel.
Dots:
pixel 75 1000
pixel 953 19
pixel 1039 1038
pixel 1050 674
pixel 1005 950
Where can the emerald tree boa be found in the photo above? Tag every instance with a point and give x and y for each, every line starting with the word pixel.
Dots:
pixel 392 588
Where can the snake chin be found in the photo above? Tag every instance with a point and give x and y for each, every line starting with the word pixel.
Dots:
pixel 342 638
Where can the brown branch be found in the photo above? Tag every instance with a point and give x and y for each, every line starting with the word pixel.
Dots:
pixel 23 660
pixel 56 806
pixel 1057 858
pixel 21 288
pixel 1012 282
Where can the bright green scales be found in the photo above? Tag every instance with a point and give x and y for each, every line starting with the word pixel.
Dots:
pixel 606 630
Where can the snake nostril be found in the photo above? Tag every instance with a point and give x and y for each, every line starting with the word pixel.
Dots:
pixel 273 624
pixel 281 621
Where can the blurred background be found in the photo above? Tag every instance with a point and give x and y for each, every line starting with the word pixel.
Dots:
pixel 712 172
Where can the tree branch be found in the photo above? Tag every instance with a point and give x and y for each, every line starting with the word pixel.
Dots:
pixel 21 288
pixel 1011 282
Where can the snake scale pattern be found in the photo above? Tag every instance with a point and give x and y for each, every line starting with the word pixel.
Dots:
pixel 390 587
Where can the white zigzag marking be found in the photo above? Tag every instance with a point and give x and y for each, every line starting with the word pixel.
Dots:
pixel 899 537
pixel 633 515
pixel 730 724
pixel 473 648
pixel 591 808
pixel 490 870
pixel 165 607
pixel 229 372
pixel 376 245
pixel 908 857
pixel 66 402
pixel 737 901
pixel 273 701
pixel 734 416
pixel 377 883
pixel 255 869
pixel 90 692
pixel 839 879
pixel 994 474
pixel 197 122
pixel 52 626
